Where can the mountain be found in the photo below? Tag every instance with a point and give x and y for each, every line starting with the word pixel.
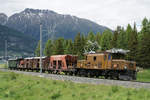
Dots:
pixel 17 43
pixel 54 25
pixel 3 18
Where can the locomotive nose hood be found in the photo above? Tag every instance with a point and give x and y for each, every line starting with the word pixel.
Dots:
pixel 123 64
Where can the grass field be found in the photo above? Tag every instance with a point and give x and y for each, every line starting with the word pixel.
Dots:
pixel 23 87
pixel 144 75
pixel 3 64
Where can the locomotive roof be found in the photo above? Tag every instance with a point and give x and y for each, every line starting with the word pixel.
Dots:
pixel 62 55
pixel 95 54
pixel 123 60
pixel 121 51
pixel 12 59
pixel 35 57
pixel 15 59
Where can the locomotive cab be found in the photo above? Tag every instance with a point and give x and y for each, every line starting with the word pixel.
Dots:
pixel 103 64
pixel 96 61
pixel 125 68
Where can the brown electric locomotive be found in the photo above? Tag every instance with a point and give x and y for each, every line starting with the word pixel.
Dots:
pixel 102 64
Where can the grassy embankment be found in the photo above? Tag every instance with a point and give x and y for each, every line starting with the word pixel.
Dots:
pixel 23 87
pixel 3 66
pixel 144 75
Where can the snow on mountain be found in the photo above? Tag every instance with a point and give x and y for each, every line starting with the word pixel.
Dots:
pixel 54 25
pixel 3 18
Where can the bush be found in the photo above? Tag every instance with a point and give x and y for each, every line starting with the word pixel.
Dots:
pixel 56 95
pixel 13 76
pixel 54 82
pixel 114 89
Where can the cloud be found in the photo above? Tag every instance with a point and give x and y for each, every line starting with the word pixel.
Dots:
pixel 108 13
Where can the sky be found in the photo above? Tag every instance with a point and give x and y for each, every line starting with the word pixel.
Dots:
pixel 110 13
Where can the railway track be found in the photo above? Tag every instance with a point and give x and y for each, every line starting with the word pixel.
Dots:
pixel 128 84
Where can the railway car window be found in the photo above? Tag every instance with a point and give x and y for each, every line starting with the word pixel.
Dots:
pixel 94 58
pixel 104 57
pixel 131 64
pixel 109 57
pixel 88 64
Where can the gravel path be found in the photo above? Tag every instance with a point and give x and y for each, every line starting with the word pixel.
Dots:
pixel 76 79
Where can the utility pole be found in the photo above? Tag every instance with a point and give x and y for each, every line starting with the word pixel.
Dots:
pixel 6 50
pixel 40 48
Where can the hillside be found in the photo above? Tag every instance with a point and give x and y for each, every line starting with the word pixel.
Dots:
pixel 54 24
pixel 18 43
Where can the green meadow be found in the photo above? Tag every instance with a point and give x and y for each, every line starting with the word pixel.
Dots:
pixel 144 75
pixel 24 87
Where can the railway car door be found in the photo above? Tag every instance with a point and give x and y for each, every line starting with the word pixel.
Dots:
pixel 59 64
pixel 38 63
pixel 109 63
pixel 54 64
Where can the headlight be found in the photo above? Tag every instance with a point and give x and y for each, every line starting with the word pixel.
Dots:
pixel 125 67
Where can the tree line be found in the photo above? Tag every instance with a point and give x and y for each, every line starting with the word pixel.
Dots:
pixel 138 42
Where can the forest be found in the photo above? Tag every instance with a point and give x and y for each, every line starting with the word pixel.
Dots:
pixel 138 42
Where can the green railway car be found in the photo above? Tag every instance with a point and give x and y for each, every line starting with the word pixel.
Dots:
pixel 13 63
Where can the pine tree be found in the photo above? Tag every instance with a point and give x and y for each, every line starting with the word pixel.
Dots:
pixel 106 39
pixel 144 45
pixel 83 43
pixel 115 37
pixel 68 47
pixel 77 44
pixel 58 46
pixel 133 44
pixel 121 41
pixel 48 50
pixel 91 36
pixel 128 33
pixel 98 37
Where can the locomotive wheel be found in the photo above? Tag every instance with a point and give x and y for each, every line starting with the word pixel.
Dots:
pixel 70 73
pixel 106 77
pixel 88 74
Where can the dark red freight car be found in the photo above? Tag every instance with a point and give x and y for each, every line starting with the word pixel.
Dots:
pixel 63 63
pixel 33 63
